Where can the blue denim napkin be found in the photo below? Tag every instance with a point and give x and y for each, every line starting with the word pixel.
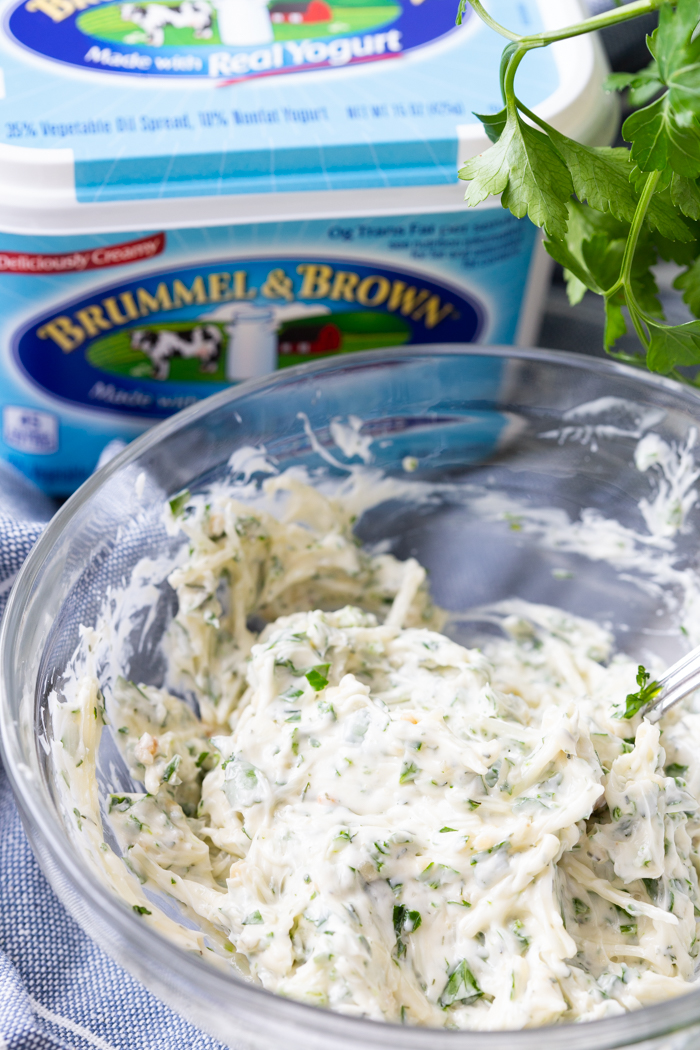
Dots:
pixel 58 990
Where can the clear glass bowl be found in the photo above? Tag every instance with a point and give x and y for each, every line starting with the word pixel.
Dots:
pixel 551 434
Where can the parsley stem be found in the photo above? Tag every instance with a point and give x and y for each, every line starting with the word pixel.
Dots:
pixel 532 116
pixel 509 79
pixel 634 313
pixel 601 21
pixel 624 281
pixel 491 22
pixel 636 227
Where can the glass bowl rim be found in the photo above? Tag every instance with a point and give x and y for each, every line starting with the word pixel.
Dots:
pixel 629 1028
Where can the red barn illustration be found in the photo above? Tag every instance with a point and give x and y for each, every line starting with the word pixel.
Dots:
pixel 297 12
pixel 310 339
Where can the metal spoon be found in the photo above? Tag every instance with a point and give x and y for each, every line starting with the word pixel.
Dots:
pixel 679 681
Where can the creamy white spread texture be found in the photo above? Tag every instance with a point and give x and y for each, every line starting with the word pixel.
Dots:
pixel 369 816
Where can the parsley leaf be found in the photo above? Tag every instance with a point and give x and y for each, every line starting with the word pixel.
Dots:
pixel 673 345
pixel 659 140
pixel 600 176
pixel 615 324
pixel 685 195
pixel 689 283
pixel 664 133
pixel 677 50
pixel 494 123
pixel 642 85
pixel 525 168
pixel 611 214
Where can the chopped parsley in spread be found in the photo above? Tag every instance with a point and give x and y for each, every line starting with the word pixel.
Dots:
pixel 373 818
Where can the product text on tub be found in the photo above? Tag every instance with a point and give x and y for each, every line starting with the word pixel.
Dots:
pixel 78 261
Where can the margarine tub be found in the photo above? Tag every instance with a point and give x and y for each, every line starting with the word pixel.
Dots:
pixel 194 193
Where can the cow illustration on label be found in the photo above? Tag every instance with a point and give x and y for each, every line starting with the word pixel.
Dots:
pixel 153 18
pixel 167 339
pixel 214 38
pixel 202 342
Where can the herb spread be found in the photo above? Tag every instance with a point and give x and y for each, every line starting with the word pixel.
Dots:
pixel 369 817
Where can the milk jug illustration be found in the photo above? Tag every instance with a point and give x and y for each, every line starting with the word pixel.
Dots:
pixel 244 22
pixel 252 341
pixel 252 334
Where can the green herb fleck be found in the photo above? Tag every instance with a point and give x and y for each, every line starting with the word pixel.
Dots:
pixel 178 503
pixel 140 909
pixel 120 802
pixel 646 693
pixel 491 776
pixel 171 768
pixel 316 677
pixel 405 921
pixel 461 986
pixel 254 919
pixel 517 930
pixel 655 889
pixel 409 772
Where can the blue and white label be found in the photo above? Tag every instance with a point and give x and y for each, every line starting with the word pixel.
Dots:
pixel 162 341
pixel 166 318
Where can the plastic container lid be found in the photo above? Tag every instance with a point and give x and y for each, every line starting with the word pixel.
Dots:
pixel 113 112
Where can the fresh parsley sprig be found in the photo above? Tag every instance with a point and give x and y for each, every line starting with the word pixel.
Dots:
pixel 610 214
pixel 648 691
